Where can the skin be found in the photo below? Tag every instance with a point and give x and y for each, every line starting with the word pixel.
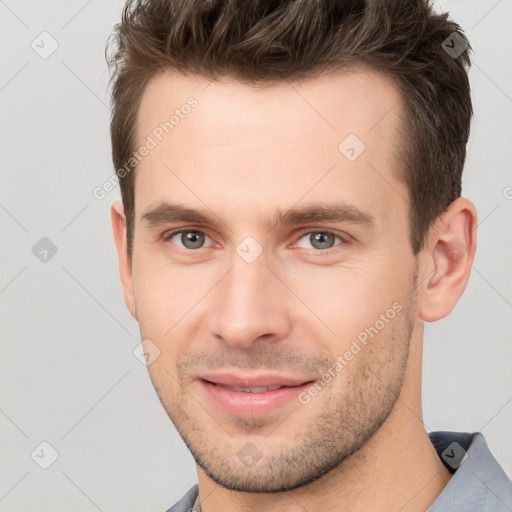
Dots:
pixel 242 154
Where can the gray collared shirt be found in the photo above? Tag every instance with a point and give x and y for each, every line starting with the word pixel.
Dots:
pixel 478 483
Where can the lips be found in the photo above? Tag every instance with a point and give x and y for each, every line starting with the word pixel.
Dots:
pixel 252 396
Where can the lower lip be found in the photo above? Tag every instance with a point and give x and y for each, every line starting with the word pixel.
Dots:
pixel 251 405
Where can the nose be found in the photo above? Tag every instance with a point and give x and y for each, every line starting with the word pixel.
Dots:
pixel 250 305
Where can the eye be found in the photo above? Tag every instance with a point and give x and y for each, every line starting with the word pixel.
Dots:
pixel 188 238
pixel 320 240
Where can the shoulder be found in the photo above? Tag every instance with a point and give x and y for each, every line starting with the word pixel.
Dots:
pixel 478 482
pixel 187 502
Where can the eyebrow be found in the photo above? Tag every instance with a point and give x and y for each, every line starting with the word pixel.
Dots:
pixel 166 213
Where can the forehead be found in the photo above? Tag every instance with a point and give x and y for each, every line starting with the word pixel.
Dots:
pixel 357 99
pixel 269 143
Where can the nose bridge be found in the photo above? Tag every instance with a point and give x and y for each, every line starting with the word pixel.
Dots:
pixel 249 302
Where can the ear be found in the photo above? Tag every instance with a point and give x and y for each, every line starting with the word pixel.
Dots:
pixel 449 253
pixel 119 229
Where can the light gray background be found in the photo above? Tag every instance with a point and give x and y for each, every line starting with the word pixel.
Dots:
pixel 68 373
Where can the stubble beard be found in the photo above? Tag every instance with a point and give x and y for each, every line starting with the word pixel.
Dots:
pixel 349 417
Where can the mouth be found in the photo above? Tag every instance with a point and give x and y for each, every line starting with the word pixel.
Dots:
pixel 261 389
pixel 252 396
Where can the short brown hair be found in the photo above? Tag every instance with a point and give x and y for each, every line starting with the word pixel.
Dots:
pixel 257 41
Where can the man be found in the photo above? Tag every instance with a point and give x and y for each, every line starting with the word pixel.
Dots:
pixel 292 215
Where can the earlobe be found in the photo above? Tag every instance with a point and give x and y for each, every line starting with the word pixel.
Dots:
pixel 450 252
pixel 119 230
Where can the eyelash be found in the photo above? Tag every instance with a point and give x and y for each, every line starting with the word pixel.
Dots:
pixel 167 237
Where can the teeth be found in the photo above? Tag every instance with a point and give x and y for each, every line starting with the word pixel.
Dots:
pixel 250 390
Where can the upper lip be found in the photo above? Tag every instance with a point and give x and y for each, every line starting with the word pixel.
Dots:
pixel 253 381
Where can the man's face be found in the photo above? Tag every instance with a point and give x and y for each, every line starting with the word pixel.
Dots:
pixel 263 297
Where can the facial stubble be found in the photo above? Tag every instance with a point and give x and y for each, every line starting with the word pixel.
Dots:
pixel 345 419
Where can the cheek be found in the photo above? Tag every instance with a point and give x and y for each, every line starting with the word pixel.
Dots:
pixel 161 296
pixel 167 301
pixel 168 390
pixel 351 298
pixel 153 307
